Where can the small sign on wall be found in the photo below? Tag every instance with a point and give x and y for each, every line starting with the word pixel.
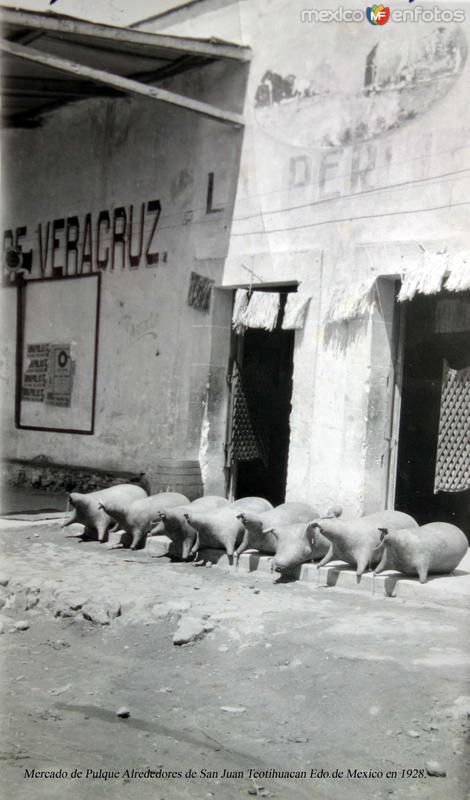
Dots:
pixel 199 295
pixel 49 374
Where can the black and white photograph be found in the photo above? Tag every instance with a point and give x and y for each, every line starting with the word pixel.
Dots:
pixel 235 400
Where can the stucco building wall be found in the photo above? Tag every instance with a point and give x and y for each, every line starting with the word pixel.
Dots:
pixel 345 178
pixel 154 352
pixel 347 183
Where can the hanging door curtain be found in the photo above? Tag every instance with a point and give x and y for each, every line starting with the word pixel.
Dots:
pixel 247 443
pixel 453 444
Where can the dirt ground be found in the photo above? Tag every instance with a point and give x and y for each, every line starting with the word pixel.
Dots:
pixel 286 676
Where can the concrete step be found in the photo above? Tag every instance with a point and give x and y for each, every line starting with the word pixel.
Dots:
pixel 156 545
pixel 448 590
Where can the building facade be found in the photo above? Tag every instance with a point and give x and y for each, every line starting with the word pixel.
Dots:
pixel 349 185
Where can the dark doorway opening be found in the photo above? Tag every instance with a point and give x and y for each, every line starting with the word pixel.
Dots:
pixel 265 359
pixel 437 329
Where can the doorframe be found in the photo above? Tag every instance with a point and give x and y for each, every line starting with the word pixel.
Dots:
pixel 237 345
pixel 395 390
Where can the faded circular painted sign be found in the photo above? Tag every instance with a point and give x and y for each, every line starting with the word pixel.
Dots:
pixel 390 81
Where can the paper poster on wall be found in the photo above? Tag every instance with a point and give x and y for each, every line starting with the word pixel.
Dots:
pixel 58 379
pixel 60 376
pixel 48 375
pixel 34 383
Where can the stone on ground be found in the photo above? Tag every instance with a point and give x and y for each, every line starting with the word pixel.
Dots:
pixel 435 769
pixel 188 630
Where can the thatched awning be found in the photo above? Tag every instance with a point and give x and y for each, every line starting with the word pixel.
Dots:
pixel 430 274
pixel 260 310
pixel 459 277
pixel 425 277
pixel 295 311
pixel 351 302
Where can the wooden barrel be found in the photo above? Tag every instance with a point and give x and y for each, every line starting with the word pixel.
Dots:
pixel 177 475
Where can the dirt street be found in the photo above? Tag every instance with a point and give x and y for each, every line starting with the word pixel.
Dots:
pixel 284 677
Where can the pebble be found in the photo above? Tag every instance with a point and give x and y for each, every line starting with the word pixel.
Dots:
pixel 435 769
pixel 60 689
pixel 123 712
pixel 161 610
pixel 21 625
pixel 208 564
pixel 63 610
pixel 178 605
pixel 73 600
pixel 101 612
pixel 4 581
pixel 233 709
pixel 413 734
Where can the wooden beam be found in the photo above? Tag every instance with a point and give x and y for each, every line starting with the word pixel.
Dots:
pixel 175 67
pixel 104 47
pixel 119 83
pixel 26 37
pixel 69 26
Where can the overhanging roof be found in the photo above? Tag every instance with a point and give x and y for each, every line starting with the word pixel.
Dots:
pixel 49 60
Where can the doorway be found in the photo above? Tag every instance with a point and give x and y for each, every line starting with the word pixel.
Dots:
pixel 264 363
pixel 436 330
